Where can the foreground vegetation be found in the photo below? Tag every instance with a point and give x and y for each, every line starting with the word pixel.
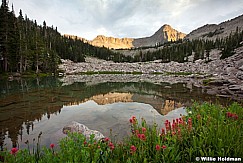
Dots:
pixel 207 130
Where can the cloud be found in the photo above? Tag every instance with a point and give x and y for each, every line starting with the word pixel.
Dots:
pixel 127 18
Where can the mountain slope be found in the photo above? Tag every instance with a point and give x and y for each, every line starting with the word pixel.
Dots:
pixel 164 34
pixel 213 31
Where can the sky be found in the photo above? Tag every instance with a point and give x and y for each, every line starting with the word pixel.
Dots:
pixel 127 18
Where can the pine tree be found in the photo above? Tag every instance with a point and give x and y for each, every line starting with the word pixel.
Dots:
pixel 4 12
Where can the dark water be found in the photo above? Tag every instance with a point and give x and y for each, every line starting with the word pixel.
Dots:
pixel 31 106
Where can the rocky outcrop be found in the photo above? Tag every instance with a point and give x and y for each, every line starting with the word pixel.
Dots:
pixel 82 129
pixel 213 31
pixel 111 42
pixel 164 34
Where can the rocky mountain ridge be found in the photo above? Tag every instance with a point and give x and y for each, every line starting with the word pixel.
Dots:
pixel 164 34
pixel 213 31
pixel 167 33
pixel 112 42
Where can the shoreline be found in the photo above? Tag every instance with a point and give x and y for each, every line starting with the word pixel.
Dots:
pixel 218 77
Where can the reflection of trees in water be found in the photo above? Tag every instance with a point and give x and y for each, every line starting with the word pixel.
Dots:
pixel 28 100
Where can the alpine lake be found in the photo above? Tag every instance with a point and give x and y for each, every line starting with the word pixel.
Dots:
pixel 30 106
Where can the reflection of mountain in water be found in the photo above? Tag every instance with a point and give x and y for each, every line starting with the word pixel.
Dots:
pixel 108 98
pixel 161 105
pixel 24 101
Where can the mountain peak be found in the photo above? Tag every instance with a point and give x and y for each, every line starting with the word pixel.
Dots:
pixel 166 26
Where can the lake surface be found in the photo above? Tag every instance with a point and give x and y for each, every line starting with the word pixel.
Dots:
pixel 31 106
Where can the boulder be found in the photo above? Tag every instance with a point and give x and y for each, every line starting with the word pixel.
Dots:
pixel 218 82
pixel 241 68
pixel 239 75
pixel 239 63
pixel 16 74
pixel 82 129
pixel 235 87
pixel 231 70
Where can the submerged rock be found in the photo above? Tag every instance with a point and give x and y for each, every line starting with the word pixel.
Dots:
pixel 82 129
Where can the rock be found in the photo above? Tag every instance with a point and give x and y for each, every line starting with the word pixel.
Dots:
pixel 82 129
pixel 235 87
pixel 224 91
pixel 232 81
pixel 239 75
pixel 16 74
pixel 231 70
pixel 168 87
pixel 241 68
pixel 218 82
pixel 60 74
pixel 239 64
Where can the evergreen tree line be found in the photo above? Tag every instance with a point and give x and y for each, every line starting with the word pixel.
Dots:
pixel 26 46
pixel 180 50
pixel 200 47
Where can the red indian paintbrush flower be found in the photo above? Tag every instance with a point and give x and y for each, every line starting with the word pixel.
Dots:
pixel 137 131
pixel 133 120
pixel 229 114
pixel 236 117
pixel 163 131
pixel 111 145
pixel 133 148
pixel 142 137
pixel 157 147
pixel 164 147
pixel 144 129
pixel 232 115
pixel 14 151
pixel 106 139
pixel 52 146
pixel 173 126
pixel 167 127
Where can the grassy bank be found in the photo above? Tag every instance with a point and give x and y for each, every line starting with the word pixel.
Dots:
pixel 207 130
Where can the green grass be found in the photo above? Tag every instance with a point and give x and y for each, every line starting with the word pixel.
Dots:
pixel 207 130
pixel 207 81
pixel 29 74
pixel 179 73
pixel 157 73
pixel 34 75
